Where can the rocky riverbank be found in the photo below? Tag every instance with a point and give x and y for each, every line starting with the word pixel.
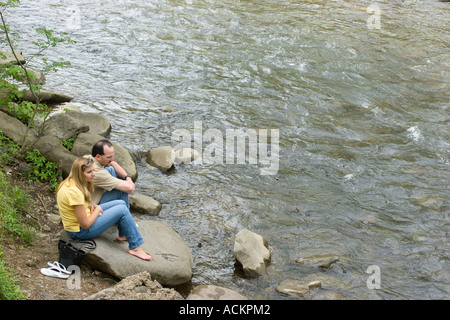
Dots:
pixel 109 262
pixel 172 261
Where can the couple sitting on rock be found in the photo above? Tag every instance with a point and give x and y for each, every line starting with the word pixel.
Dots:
pixel 99 180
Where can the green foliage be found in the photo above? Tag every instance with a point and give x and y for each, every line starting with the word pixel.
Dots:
pixel 19 72
pixel 9 3
pixel 9 91
pixel 48 41
pixel 9 290
pixel 41 169
pixel 24 111
pixel 13 204
pixel 68 144
pixel 13 71
pixel 54 65
pixel 14 201
pixel 8 150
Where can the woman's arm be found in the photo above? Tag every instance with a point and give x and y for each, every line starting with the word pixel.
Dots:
pixel 84 220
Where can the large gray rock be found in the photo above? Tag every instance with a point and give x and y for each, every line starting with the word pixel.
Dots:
pixel 210 292
pixel 96 122
pixel 250 249
pixel 8 57
pixel 85 141
pixel 64 126
pixel 171 263
pixel 46 96
pixel 15 130
pixel 51 149
pixel 144 204
pixel 186 155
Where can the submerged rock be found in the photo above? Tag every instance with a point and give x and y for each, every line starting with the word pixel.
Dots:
pixel 186 155
pixel 315 286
pixel 144 204
pixel 210 292
pixel 320 260
pixel 293 287
pixel 250 249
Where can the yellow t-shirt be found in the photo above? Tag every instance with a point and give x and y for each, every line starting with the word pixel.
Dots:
pixel 70 195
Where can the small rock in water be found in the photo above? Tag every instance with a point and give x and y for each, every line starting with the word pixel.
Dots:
pixel 162 158
pixel 321 261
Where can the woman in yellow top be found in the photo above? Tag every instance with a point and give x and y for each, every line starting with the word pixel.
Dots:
pixel 84 221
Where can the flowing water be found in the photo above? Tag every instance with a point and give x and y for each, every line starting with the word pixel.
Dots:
pixel 360 98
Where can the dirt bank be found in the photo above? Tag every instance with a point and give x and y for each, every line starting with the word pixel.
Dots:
pixel 27 260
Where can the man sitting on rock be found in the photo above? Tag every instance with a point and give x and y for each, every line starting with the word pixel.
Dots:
pixel 111 181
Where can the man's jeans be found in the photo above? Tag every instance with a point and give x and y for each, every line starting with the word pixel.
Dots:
pixel 115 211
pixel 114 194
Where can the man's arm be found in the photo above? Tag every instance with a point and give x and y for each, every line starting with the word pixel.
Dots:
pixel 127 185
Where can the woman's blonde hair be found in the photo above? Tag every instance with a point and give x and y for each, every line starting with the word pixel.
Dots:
pixel 76 174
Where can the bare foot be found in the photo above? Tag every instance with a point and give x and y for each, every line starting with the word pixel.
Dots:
pixel 121 238
pixel 138 252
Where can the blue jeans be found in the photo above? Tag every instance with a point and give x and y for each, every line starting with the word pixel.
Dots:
pixel 114 212
pixel 114 194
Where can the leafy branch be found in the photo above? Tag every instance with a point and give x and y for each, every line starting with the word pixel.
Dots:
pixel 21 71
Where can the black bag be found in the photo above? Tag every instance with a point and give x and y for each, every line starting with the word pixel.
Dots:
pixel 70 254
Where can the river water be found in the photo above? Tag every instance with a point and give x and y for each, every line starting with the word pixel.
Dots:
pixel 360 100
